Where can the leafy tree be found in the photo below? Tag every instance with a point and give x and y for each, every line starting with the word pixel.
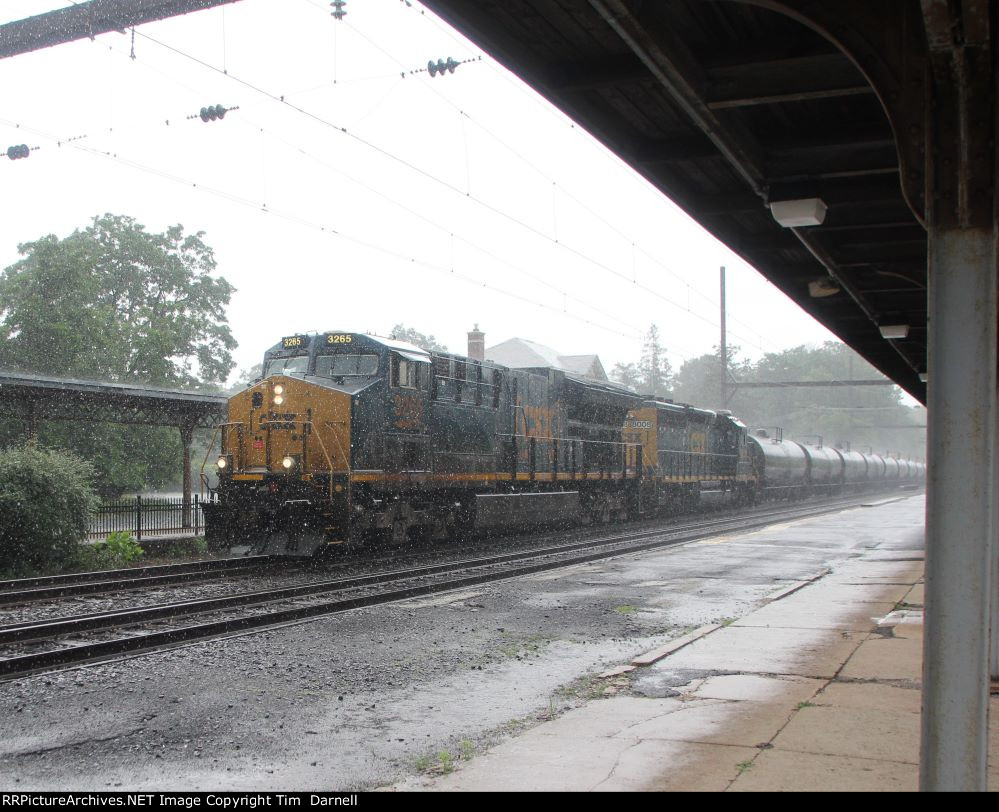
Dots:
pixel 863 416
pixel 114 302
pixel 117 303
pixel 402 333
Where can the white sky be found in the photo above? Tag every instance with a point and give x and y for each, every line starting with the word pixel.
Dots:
pixel 446 201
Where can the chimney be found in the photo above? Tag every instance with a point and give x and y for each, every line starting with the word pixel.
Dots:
pixel 477 344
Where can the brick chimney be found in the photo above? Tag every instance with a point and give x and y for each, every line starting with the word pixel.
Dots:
pixel 477 344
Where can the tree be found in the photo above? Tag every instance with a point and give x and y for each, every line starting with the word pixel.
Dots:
pixel 430 343
pixel 654 368
pixel 116 303
pixel 626 374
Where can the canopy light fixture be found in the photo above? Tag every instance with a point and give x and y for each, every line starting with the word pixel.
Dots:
pixel 809 211
pixel 819 288
pixel 923 376
pixel 894 330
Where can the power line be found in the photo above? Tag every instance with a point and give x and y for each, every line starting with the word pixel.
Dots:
pixel 425 173
pixel 291 217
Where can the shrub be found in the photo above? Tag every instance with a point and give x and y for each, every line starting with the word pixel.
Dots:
pixel 46 498
pixel 116 551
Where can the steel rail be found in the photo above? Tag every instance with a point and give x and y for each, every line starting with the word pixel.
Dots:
pixel 20 665
pixel 26 590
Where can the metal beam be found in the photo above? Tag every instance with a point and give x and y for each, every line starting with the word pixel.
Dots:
pixel 88 19
pixel 791 384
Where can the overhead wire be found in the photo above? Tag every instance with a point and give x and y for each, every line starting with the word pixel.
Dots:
pixel 295 218
pixel 283 100
pixel 427 174
pixel 566 121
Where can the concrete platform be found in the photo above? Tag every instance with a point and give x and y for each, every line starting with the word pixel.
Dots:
pixel 816 689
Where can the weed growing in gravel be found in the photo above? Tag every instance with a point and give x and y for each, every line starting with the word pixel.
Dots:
pixel 446 762
pixel 466 749
pixel 626 609
pixel 742 766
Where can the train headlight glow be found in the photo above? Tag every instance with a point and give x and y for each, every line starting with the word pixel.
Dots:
pixel 222 463
pixel 279 390
pixel 278 400
pixel 288 463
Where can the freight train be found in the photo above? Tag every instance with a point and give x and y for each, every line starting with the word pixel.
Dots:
pixel 348 438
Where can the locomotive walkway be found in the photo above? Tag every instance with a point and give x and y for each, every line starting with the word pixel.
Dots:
pixel 818 689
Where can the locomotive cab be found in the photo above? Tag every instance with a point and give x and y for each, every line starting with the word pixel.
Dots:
pixel 295 439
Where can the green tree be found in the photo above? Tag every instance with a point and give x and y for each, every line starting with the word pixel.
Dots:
pixel 116 303
pixel 402 333
pixel 654 369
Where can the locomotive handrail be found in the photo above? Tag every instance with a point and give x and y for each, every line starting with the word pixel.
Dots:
pixel 211 445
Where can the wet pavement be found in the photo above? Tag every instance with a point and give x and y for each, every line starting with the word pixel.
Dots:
pixel 405 694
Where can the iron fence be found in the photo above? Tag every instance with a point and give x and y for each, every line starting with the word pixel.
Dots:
pixel 147 516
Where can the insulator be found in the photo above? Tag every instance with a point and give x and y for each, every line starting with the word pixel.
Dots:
pixel 18 151
pixel 432 68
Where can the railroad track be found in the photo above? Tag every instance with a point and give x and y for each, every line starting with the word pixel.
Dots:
pixel 46 645
pixel 29 590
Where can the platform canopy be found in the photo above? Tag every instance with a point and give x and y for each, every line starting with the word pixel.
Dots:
pixel 34 397
pixel 729 107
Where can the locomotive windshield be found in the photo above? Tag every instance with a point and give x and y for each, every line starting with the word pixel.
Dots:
pixel 286 366
pixel 346 364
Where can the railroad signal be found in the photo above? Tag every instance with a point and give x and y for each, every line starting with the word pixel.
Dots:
pixel 338 11
pixel 440 66
pixel 18 151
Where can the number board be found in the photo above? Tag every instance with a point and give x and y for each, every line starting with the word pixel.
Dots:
pixel 294 342
pixel 339 338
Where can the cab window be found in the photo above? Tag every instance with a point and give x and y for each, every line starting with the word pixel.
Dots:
pixel 286 366
pixel 341 365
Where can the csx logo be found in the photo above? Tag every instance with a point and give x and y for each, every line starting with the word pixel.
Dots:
pixel 638 424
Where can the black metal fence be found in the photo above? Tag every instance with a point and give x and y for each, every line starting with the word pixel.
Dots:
pixel 147 516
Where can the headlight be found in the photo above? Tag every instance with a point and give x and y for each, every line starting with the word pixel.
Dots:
pixel 279 390
pixel 288 463
pixel 278 400
pixel 222 463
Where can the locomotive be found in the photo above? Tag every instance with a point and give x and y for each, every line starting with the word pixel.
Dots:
pixel 348 438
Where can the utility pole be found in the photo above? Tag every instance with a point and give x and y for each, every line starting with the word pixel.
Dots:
pixel 724 349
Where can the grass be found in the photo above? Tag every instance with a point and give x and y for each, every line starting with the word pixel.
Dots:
pixel 801 705
pixel 442 763
pixel 743 766
pixel 626 609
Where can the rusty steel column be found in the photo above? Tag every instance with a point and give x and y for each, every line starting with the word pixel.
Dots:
pixel 959 507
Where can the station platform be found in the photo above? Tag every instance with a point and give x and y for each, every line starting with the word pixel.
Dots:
pixel 816 689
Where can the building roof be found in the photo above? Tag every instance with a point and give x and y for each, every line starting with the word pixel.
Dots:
pixel 519 353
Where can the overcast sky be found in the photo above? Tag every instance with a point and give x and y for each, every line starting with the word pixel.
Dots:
pixel 367 198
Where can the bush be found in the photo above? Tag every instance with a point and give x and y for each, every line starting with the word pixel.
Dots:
pixel 46 498
pixel 118 550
